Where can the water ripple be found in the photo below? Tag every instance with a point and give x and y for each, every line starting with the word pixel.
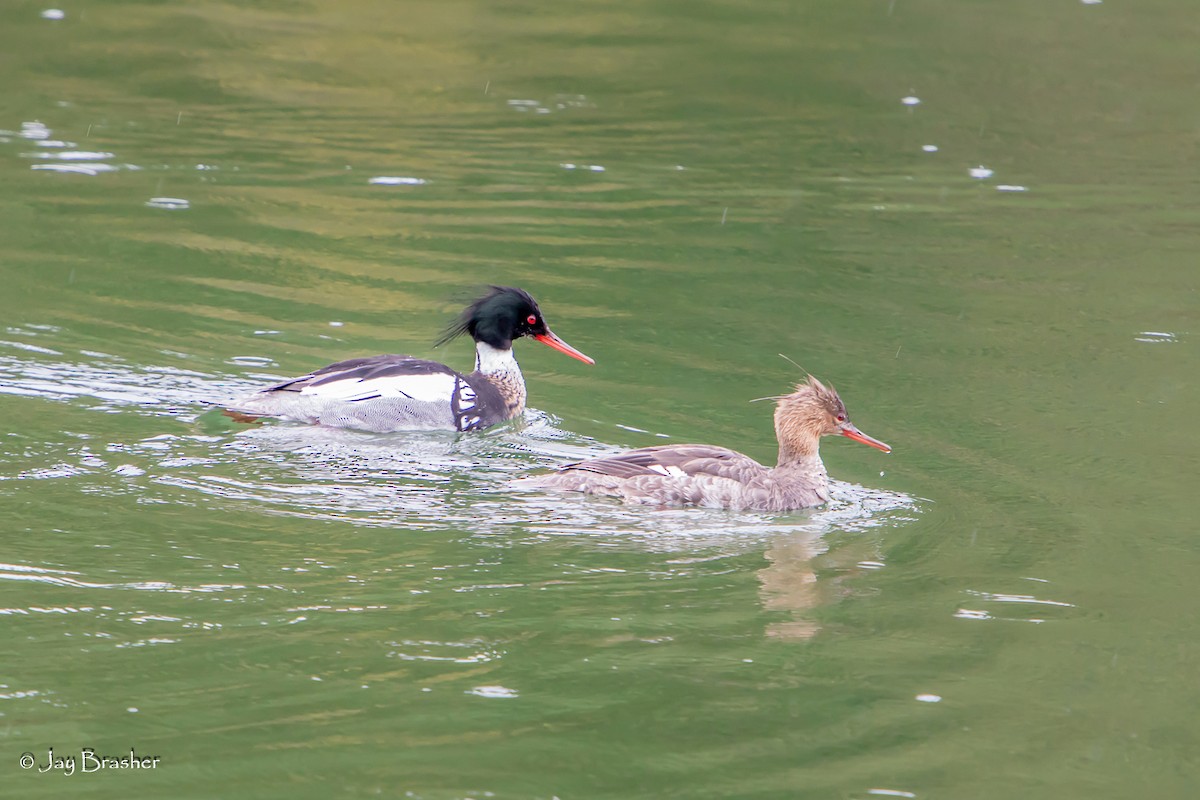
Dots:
pixel 1156 337
pixel 418 481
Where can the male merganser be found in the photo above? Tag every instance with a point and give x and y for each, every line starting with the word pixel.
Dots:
pixel 395 392
pixel 715 477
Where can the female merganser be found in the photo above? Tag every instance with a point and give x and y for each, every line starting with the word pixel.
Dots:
pixel 395 392
pixel 715 477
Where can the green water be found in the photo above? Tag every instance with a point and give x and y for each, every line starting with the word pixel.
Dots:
pixel 690 189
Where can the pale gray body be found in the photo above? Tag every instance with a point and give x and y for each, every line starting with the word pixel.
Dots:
pixel 696 475
pixel 380 415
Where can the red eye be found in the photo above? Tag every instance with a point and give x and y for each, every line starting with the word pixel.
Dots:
pixel 841 417
pixel 531 319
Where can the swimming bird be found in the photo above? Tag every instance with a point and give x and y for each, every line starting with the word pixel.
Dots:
pixel 716 477
pixel 397 392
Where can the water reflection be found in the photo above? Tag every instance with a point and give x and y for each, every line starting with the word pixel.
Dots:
pixel 790 584
pixel 983 598
pixel 169 203
pixel 29 574
pixel 395 180
pixel 1156 337
pixel 58 155
pixel 557 103
pixel 419 482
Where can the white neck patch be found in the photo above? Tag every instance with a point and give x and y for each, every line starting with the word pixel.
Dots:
pixel 490 360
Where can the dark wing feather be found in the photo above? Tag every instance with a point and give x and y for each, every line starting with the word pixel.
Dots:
pixel 674 459
pixel 363 369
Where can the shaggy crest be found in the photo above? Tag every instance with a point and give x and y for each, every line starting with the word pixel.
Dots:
pixel 495 317
pixel 825 395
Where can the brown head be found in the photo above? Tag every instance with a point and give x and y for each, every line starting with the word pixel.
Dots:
pixel 814 410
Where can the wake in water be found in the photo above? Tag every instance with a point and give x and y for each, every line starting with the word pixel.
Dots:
pixel 418 480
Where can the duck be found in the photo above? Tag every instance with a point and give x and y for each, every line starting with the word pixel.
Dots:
pixel 387 393
pixel 716 477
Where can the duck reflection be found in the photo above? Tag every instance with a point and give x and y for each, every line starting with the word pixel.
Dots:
pixel 790 583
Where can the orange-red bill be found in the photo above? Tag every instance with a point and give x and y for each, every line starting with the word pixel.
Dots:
pixel 550 340
pixel 854 433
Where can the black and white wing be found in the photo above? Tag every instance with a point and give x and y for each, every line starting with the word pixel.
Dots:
pixel 358 379
pixel 379 393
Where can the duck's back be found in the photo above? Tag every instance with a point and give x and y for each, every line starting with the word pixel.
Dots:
pixel 669 475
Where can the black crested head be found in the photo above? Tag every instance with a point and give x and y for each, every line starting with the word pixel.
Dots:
pixel 497 317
